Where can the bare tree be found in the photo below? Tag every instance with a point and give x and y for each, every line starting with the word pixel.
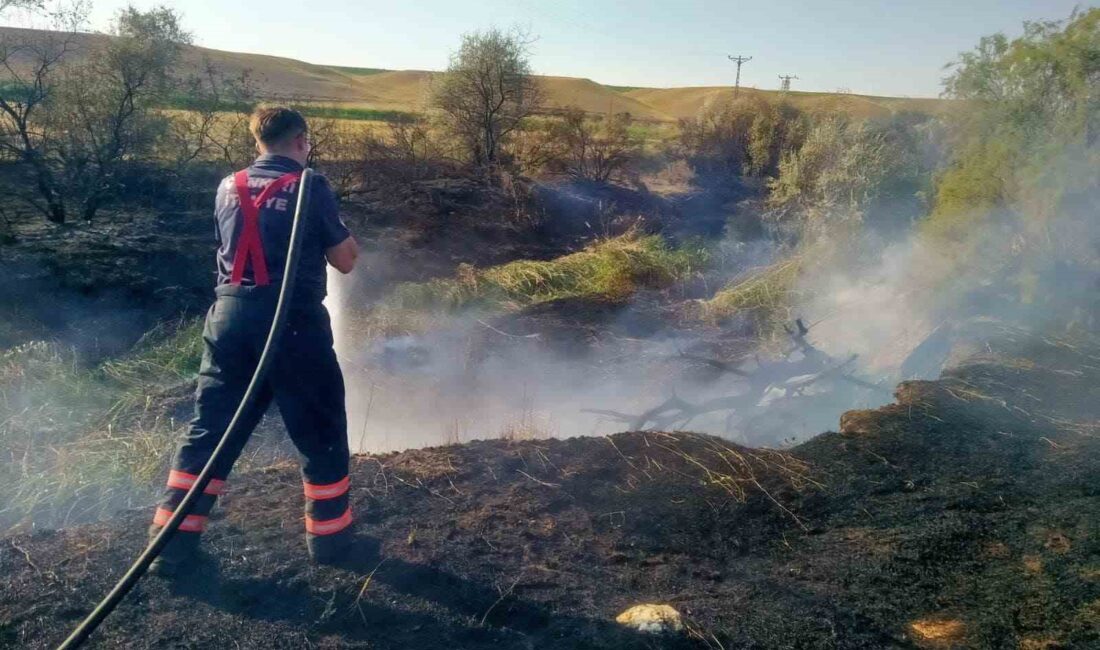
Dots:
pixel 105 110
pixel 29 64
pixel 338 151
pixel 214 122
pixel 594 149
pixel 487 91
pixel 21 4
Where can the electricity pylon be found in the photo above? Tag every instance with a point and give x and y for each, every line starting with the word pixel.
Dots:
pixel 739 60
pixel 786 81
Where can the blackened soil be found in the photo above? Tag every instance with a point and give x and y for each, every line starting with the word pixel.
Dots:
pixel 964 515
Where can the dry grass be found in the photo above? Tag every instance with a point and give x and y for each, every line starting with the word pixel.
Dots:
pixel 79 442
pixel 738 471
pixel 938 632
pixel 714 464
pixel 684 103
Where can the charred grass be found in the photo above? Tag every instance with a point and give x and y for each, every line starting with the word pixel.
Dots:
pixel 964 515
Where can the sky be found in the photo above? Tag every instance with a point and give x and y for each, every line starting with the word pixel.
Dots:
pixel 889 47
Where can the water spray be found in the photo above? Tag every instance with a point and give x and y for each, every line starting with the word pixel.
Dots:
pixel 141 565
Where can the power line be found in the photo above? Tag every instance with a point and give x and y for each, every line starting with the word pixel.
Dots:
pixel 786 81
pixel 739 60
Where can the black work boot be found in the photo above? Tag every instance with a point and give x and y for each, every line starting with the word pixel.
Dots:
pixel 178 555
pixel 333 550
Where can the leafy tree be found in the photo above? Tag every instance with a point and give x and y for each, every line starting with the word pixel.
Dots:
pixel 21 4
pixel 1018 198
pixel 487 91
pixel 107 104
pixel 1027 123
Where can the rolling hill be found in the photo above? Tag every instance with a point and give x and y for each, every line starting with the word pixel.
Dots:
pixel 686 102
pixel 406 90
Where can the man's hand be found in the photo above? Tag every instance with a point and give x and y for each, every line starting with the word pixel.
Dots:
pixel 342 256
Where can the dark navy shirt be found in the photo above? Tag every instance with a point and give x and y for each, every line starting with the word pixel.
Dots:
pixel 321 230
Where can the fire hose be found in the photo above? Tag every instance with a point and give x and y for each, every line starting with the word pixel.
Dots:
pixel 139 567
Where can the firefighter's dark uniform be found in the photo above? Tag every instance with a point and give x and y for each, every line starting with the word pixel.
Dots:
pixel 304 380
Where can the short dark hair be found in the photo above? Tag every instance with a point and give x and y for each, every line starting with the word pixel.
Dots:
pixel 276 125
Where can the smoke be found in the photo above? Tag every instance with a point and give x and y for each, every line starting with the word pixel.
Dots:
pixel 466 379
pixel 879 308
pixel 900 306
pixel 474 377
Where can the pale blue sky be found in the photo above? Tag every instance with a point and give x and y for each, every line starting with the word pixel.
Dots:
pixel 891 47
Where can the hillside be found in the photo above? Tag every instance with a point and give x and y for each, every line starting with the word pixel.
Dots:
pixel 687 102
pixel 954 518
pixel 405 90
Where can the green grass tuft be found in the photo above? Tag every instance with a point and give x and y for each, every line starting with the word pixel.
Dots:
pixel 765 296
pixel 612 268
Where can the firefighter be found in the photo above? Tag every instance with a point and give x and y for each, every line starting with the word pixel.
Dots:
pixel 254 211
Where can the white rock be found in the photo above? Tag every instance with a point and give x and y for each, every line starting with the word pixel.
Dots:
pixel 652 619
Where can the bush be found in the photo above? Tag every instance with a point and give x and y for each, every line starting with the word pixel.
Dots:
pixel 743 137
pixel 406 150
pixel 849 174
pixel 1024 105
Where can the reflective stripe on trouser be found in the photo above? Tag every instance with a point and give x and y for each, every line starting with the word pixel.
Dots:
pixel 187 535
pixel 313 409
pixel 327 510
pixel 328 514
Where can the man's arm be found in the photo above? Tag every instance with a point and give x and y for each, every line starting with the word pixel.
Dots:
pixel 341 250
pixel 342 256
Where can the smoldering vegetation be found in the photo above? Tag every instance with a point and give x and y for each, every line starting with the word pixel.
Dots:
pixel 753 273
pixel 870 253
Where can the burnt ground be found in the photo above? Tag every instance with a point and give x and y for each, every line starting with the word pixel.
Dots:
pixel 99 286
pixel 964 515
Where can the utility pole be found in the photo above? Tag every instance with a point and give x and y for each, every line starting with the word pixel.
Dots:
pixel 739 60
pixel 786 79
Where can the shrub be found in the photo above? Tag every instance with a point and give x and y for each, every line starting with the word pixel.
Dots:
pixel 743 137
pixel 406 150
pixel 849 174
pixel 1017 199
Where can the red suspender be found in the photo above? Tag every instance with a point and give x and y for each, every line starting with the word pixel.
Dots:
pixel 249 245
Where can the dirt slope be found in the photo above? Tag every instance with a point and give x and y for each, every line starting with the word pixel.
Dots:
pixel 965 515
